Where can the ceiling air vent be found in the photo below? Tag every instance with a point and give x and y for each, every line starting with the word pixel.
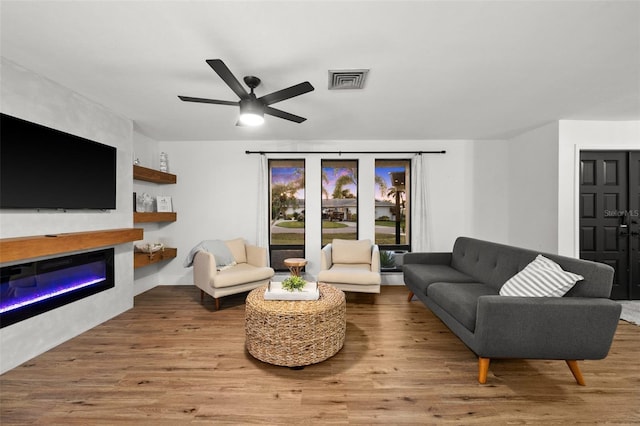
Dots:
pixel 347 79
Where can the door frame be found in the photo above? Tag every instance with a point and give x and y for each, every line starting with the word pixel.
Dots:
pixel 578 149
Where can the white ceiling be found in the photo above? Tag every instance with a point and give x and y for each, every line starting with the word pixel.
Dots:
pixel 438 69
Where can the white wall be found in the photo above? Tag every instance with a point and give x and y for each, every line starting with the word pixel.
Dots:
pixel 489 196
pixel 145 149
pixel 216 195
pixel 575 136
pixel 29 96
pixel 533 189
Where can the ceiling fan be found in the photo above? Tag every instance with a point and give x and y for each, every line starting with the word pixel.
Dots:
pixel 252 108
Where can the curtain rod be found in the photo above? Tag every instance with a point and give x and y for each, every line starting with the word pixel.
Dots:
pixel 345 152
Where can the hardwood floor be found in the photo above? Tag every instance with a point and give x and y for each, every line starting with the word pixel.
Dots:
pixel 173 361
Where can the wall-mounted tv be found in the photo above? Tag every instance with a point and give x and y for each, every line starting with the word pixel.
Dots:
pixel 44 168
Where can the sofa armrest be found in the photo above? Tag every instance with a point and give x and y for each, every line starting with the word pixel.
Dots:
pixel 204 269
pixel 427 257
pixel 375 258
pixel 325 258
pixel 256 256
pixel 569 328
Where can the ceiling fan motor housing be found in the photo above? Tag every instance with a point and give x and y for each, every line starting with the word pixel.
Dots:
pixel 251 106
pixel 252 82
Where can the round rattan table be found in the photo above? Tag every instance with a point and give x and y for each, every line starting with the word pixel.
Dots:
pixel 295 333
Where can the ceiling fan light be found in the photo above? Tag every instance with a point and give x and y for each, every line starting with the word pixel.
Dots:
pixel 251 119
pixel 251 113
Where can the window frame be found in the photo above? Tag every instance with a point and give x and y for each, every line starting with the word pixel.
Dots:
pixel 323 162
pixel 406 246
pixel 299 248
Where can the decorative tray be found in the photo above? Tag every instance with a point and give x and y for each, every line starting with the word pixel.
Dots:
pixel 276 292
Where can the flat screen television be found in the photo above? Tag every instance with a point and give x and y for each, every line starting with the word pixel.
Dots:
pixel 44 168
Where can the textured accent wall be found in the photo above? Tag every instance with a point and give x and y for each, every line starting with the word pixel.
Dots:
pixel 33 97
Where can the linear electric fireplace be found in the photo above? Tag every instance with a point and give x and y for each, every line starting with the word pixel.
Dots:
pixel 29 289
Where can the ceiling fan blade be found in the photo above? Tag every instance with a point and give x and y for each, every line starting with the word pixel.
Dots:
pixel 289 92
pixel 225 74
pixel 207 101
pixel 282 114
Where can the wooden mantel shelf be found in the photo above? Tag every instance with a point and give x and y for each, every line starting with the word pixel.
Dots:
pixel 44 245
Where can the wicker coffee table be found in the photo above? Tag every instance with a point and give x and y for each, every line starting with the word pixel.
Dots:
pixel 295 333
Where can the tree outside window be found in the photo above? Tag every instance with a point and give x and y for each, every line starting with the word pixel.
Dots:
pixel 339 200
pixel 392 205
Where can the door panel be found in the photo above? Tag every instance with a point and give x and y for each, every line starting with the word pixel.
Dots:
pixel 611 170
pixel 588 205
pixel 612 202
pixel 588 238
pixel 611 239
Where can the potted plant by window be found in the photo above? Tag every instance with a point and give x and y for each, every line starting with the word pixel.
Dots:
pixel 387 260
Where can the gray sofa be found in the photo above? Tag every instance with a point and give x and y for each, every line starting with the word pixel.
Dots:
pixel 462 289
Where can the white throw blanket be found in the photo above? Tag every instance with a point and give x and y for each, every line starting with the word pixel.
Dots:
pixel 217 248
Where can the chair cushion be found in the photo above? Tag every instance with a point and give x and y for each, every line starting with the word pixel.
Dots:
pixel 349 274
pixel 350 251
pixel 237 249
pixel 541 278
pixel 242 273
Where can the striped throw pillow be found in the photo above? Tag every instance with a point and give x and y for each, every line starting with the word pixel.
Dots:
pixel 541 278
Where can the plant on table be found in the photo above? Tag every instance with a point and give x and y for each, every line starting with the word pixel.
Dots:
pixel 293 283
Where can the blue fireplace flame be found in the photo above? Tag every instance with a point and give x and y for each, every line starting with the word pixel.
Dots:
pixel 32 288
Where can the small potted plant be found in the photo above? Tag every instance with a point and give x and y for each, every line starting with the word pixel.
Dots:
pixel 293 283
pixel 387 259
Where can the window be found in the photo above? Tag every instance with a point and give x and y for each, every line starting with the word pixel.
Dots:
pixel 287 218
pixel 339 200
pixel 391 207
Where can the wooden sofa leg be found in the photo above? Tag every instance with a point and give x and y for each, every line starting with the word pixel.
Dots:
pixel 217 299
pixel 410 296
pixel 201 296
pixel 483 369
pixel 575 369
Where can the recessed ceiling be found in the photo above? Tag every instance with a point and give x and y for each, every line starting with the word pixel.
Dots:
pixel 440 69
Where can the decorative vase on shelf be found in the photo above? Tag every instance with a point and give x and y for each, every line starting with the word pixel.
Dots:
pixel 164 162
pixel 144 203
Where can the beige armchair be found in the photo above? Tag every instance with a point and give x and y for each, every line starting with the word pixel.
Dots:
pixel 351 265
pixel 249 271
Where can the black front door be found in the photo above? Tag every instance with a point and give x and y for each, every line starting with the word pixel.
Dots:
pixel 634 220
pixel 610 216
